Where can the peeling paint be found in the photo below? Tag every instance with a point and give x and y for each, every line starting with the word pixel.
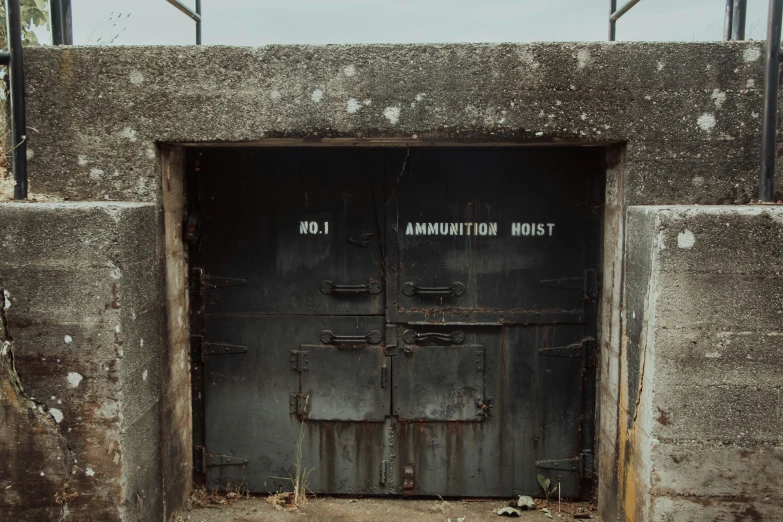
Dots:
pixel 706 122
pixel 686 239
pixel 392 114
pixel 751 54
pixel 56 414
pixel 317 96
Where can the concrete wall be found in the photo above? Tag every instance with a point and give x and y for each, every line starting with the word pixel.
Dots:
pixel 81 355
pixel 680 123
pixel 700 430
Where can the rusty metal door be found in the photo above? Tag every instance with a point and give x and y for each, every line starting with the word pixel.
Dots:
pixel 416 322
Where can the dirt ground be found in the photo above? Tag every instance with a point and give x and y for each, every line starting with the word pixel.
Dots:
pixel 258 508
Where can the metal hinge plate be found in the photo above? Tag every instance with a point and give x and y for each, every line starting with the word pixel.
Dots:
pixel 200 348
pixel 299 361
pixel 203 460
pixel 299 404
pixel 583 464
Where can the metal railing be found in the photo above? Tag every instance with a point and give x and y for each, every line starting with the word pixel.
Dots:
pixel 194 15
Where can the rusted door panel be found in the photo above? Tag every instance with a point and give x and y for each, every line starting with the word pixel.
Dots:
pixel 296 231
pixel 544 404
pixel 347 457
pixel 495 232
pixel 248 406
pixel 247 398
pixel 347 383
pixel 452 459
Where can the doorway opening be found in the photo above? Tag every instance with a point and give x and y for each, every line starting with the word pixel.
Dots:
pixel 426 317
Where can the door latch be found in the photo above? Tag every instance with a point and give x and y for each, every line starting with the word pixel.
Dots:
pixel 373 287
pixel 371 337
pixel 410 289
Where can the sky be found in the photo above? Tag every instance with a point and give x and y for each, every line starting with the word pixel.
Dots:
pixel 262 22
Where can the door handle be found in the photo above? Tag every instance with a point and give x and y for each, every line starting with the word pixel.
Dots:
pixel 411 337
pixel 371 337
pixel 373 287
pixel 456 289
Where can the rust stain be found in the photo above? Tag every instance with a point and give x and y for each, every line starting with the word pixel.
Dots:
pixel 663 417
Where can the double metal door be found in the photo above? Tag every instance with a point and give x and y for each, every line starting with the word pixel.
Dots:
pixel 409 322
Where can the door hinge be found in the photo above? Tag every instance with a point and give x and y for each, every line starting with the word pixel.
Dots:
pixel 582 464
pixel 588 283
pixel 584 348
pixel 203 460
pixel 300 361
pixel 199 348
pixel 300 404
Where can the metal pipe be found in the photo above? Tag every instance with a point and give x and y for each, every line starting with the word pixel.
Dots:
pixel 727 20
pixel 624 9
pixel 770 109
pixel 738 19
pixel 612 25
pixel 16 80
pixel 198 22
pixel 62 29
pixel 5 58
pixel 196 16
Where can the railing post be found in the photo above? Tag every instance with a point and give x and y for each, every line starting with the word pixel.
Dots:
pixel 198 22
pixel 770 109
pixel 62 29
pixel 13 14
pixel 612 25
pixel 727 20
pixel 738 19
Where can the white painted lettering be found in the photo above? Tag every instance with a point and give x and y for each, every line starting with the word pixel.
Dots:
pixel 421 229
pixel 493 229
pixel 551 226
pixel 444 229
pixel 313 227
pixel 525 229
pixel 303 227
pixel 483 229
pixel 516 229
pixel 432 229
pixel 409 230
pixel 540 229
pixel 454 229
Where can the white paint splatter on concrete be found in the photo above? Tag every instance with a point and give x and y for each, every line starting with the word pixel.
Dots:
pixel 754 115
pixel 144 375
pixel 697 181
pixel 583 58
pixel 128 133
pixel 150 152
pixel 117 328
pixel 57 415
pixel 275 95
pixel 74 378
pixel 82 161
pixel 317 95
pixel 30 153
pixel 751 54
pixel 349 71
pixel 180 317
pixel 706 122
pixel 686 239
pixel 751 83
pixel 141 342
pixel 96 174
pixel 43 474
pixel 392 114
pixel 136 78
pixel 353 105
pixel 420 96
pixel 89 472
pixel 712 355
pixel 718 97
pixel 68 339
pixel 660 65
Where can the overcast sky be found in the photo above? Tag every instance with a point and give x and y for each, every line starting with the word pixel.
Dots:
pixel 260 22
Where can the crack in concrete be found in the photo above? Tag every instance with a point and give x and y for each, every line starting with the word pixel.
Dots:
pixel 8 367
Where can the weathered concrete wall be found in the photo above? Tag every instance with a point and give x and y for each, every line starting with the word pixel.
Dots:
pixel 82 343
pixel 689 112
pixel 681 126
pixel 699 427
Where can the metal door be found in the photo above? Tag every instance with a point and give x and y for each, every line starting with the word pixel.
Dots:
pixel 424 319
